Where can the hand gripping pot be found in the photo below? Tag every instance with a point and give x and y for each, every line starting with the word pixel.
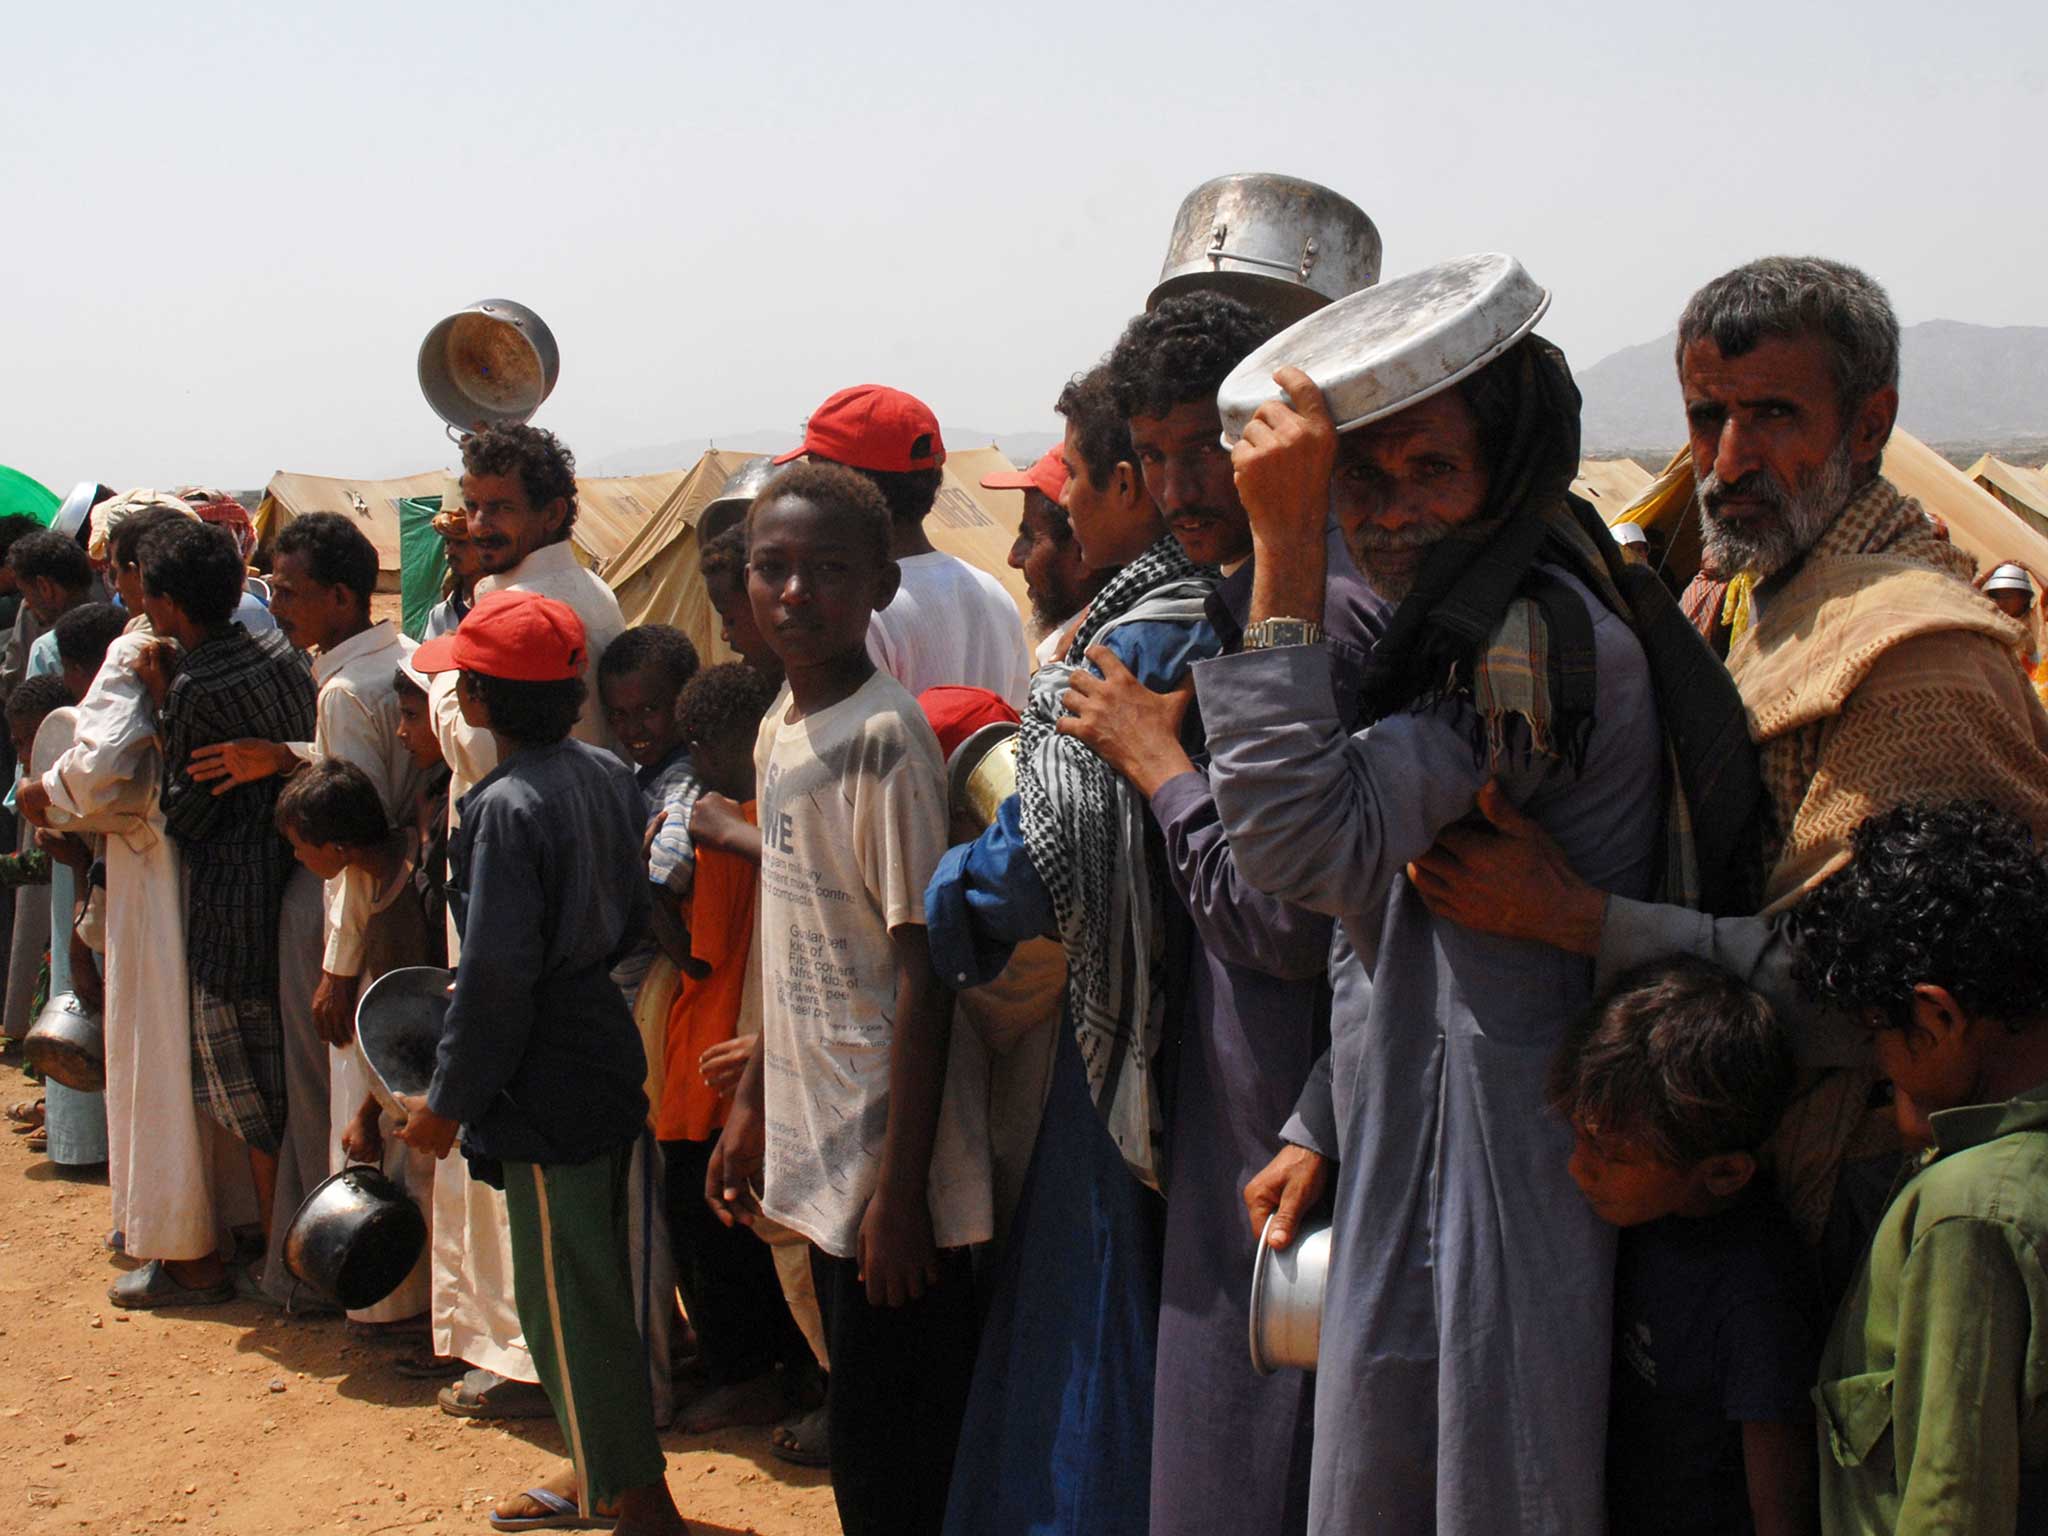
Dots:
pixel 356 1238
pixel 1287 1300
pixel 1386 348
pixel 1282 245
pixel 489 365
pixel 398 1030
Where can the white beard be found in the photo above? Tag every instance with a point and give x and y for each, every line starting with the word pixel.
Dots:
pixel 1774 542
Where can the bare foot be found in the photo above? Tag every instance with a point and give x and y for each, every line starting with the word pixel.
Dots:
pixel 650 1511
pixel 760 1400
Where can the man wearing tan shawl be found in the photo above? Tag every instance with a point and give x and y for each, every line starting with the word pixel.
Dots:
pixel 1870 671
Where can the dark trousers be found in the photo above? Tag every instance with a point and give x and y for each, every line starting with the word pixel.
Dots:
pixel 898 1393
pixel 727 1276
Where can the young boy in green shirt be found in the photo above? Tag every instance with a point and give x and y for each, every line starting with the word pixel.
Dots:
pixel 1933 1392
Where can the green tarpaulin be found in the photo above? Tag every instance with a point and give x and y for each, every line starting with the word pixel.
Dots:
pixel 422 561
pixel 21 496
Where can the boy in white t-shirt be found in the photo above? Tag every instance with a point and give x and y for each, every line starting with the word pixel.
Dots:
pixel 847 1109
pixel 948 623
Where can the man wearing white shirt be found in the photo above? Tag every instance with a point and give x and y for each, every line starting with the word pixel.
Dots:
pixel 949 622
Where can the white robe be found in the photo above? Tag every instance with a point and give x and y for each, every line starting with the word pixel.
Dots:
pixel 160 1148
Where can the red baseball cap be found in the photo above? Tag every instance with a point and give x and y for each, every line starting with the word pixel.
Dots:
pixel 521 636
pixel 956 713
pixel 1048 476
pixel 872 426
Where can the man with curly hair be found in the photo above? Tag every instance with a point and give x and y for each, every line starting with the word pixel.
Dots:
pixel 1933 1393
pixel 519 504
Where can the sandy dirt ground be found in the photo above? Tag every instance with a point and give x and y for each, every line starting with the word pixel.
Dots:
pixel 237 1420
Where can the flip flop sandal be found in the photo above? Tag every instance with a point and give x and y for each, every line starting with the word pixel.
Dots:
pixel 26 1112
pixel 561 1515
pixel 425 1365
pixel 803 1442
pixel 38 1140
pixel 486 1395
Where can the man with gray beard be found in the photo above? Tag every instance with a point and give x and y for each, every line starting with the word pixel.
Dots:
pixel 1871 673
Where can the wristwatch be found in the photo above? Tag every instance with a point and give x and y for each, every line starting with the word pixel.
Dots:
pixel 1268 633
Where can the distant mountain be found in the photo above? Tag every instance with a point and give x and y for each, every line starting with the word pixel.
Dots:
pixel 1020 447
pixel 1977 383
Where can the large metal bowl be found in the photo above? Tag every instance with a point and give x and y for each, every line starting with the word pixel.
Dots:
pixel 1386 348
pixel 1287 1300
pixel 398 1029
pixel 68 1045
pixel 355 1238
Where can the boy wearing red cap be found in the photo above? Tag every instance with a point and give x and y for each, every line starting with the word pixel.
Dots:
pixel 540 1065
pixel 948 622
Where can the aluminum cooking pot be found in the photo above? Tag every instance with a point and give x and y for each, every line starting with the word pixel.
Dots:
pixel 490 365
pixel 356 1237
pixel 1282 245
pixel 734 497
pixel 1287 1300
pixel 398 1030
pixel 983 772
pixel 67 1044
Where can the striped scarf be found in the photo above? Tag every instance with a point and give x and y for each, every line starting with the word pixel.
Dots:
pixel 1084 830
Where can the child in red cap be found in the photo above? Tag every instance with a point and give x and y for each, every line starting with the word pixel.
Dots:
pixel 540 1066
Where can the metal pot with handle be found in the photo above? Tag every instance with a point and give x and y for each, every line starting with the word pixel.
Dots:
pixel 1287 1300
pixel 491 364
pixel 1282 245
pixel 68 1045
pixel 355 1238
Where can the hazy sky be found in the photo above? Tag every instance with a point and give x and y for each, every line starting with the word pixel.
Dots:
pixel 228 227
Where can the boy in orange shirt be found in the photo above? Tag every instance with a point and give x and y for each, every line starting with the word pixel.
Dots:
pixel 726 1274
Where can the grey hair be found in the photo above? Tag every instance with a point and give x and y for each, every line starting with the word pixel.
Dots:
pixel 1802 296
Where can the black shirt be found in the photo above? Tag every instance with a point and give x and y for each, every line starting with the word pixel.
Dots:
pixel 1715 1326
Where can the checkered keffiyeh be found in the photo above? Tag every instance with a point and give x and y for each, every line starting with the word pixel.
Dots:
pixel 235 685
pixel 1084 830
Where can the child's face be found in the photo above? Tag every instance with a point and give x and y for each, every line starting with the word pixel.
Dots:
pixel 326 860
pixel 416 729
pixel 736 621
pixel 1935 1062
pixel 814 581
pixel 726 764
pixel 640 708
pixel 23 734
pixel 1626 1184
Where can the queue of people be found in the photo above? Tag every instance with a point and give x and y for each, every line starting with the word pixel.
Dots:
pixel 1641 984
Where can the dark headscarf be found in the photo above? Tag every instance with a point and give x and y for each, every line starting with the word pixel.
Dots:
pixel 1528 416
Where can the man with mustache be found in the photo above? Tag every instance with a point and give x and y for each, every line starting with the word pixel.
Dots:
pixel 1871 675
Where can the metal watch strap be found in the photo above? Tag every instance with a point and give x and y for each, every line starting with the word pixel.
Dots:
pixel 1269 633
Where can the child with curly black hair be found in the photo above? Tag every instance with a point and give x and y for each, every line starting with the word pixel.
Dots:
pixel 1934 1383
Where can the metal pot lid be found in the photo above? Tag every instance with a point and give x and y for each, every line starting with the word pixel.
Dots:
pixel 1283 245
pixel 1383 349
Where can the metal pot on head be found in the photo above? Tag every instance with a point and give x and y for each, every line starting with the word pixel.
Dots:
pixel 1287 1300
pixel 68 1045
pixel 1282 245
pixel 735 497
pixel 489 365
pixel 355 1238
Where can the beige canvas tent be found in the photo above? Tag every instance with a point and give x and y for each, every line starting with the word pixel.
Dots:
pixel 2024 490
pixel 1976 520
pixel 655 574
pixel 1610 484
pixel 371 504
pixel 609 512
